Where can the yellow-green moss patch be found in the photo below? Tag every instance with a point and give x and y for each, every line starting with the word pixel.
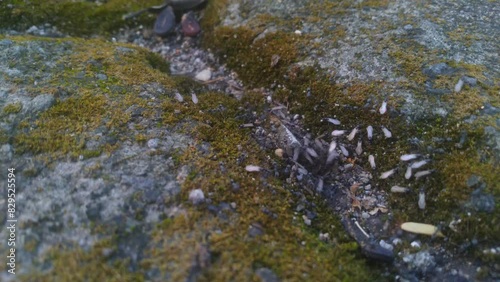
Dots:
pixel 80 265
pixel 13 108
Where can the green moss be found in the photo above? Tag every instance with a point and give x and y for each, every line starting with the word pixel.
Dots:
pixel 253 60
pixel 141 138
pixel 446 194
pixel 292 250
pixel 84 103
pixel 55 129
pixel 82 18
pixel 80 265
pixel 87 154
pixel 13 108
pixel 157 62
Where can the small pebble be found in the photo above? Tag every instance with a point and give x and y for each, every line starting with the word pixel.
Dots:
pixel 397 241
pixel 196 196
pixel 190 26
pixel 165 22
pixel 416 244
pixel 386 245
pixel 279 152
pixel 324 236
pixel 204 75
pixel 153 143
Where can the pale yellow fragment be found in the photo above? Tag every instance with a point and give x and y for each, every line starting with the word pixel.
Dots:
pixel 421 228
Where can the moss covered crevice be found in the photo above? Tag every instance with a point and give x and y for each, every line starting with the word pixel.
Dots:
pixel 309 92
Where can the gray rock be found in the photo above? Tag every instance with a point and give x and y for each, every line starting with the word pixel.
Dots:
pixel 101 76
pixel 490 109
pixel 41 103
pixel 5 42
pixel 153 143
pixel 6 153
pixel 196 196
pixel 473 180
pixel 438 69
pixel 255 230
pixel 266 275
pixel 471 81
pixel 482 202
pixel 422 262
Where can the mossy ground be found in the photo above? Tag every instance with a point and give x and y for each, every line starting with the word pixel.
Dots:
pixel 236 254
pixel 86 104
pixel 280 248
pixel 446 191
pixel 13 108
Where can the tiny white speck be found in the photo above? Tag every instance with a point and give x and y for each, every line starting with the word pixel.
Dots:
pixel 196 196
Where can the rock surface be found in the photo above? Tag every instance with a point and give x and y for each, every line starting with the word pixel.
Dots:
pixel 120 176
